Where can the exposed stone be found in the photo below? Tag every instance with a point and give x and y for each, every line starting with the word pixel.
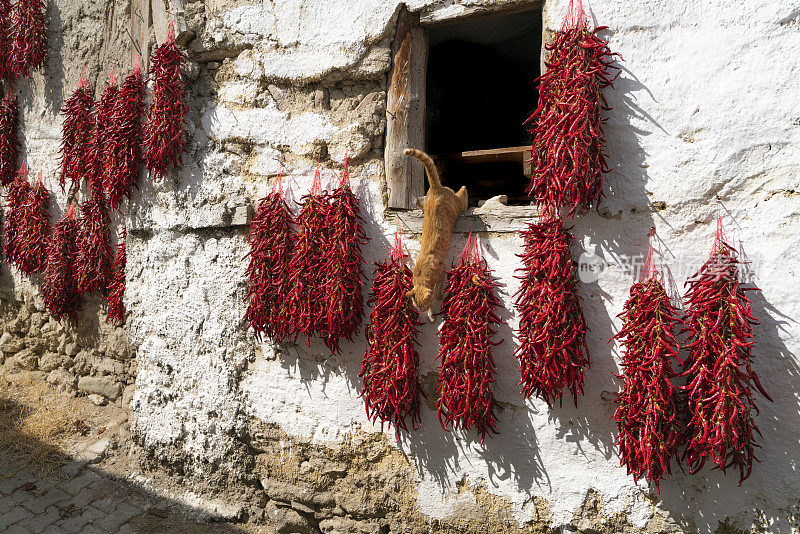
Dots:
pixel 287 493
pixel 52 360
pixel 10 344
pixel 72 349
pixel 97 400
pixel 104 386
pixel 288 521
pixel 24 360
pixel 62 379
pixel 94 452
pixel 344 525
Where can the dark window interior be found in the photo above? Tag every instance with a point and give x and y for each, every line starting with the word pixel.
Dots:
pixel 479 93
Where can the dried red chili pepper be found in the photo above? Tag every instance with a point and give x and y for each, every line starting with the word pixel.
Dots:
pixel 9 144
pixel 720 377
pixel 103 114
pixel 77 135
pixel 5 38
pixel 270 240
pixel 164 130
pixel 466 337
pixel 306 298
pixel 343 265
pixel 123 146
pixel 28 37
pixel 93 258
pixel 116 282
pixel 552 330
pixel 59 289
pixel 390 365
pixel 567 152
pixel 650 429
pixel 33 228
pixel 16 194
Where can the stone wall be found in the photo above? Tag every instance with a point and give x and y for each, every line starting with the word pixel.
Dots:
pixel 705 109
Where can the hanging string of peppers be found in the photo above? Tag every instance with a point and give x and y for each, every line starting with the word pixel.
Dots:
pixel 100 156
pixel 28 37
pixel 466 337
pixel 60 288
pixel 5 38
pixel 720 378
pixel 123 143
pixel 648 412
pixel 164 129
pixel 306 299
pixel 116 282
pixel 270 240
pixel 343 265
pixel 16 194
pixel 9 143
pixel 552 330
pixel 93 253
pixel 391 363
pixel 567 152
pixel 33 229
pixel 77 135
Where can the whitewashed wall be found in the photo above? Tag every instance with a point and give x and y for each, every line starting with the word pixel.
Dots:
pixel 707 108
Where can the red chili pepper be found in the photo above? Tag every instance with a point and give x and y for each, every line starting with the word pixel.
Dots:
pixel 567 153
pixel 650 428
pixel 391 363
pixel 164 129
pixel 466 338
pixel 552 330
pixel 116 282
pixel 721 424
pixel 9 143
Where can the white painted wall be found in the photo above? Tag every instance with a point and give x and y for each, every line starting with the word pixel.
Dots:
pixel 706 108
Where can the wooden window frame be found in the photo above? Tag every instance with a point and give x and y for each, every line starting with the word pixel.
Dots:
pixel 405 105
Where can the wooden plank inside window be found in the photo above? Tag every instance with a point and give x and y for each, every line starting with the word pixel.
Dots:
pixel 405 112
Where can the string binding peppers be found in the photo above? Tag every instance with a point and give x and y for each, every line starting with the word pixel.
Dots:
pixel 719 373
pixel 390 366
pixel 466 371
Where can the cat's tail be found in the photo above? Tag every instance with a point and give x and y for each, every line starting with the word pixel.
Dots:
pixel 430 167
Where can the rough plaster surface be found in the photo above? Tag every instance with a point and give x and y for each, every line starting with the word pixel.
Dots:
pixel 706 108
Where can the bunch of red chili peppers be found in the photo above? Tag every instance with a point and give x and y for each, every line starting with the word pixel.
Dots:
pixel 391 363
pixel 306 298
pixel 103 119
pixel 26 35
pixel 343 265
pixel 5 38
pixel 77 135
pixel 9 143
pixel 116 282
pixel 552 330
pixel 648 415
pixel 567 153
pixel 60 288
pixel 720 379
pixel 164 129
pixel 270 240
pixel 466 338
pixel 123 149
pixel 93 254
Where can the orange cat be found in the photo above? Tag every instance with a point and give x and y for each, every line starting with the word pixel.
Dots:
pixel 441 209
